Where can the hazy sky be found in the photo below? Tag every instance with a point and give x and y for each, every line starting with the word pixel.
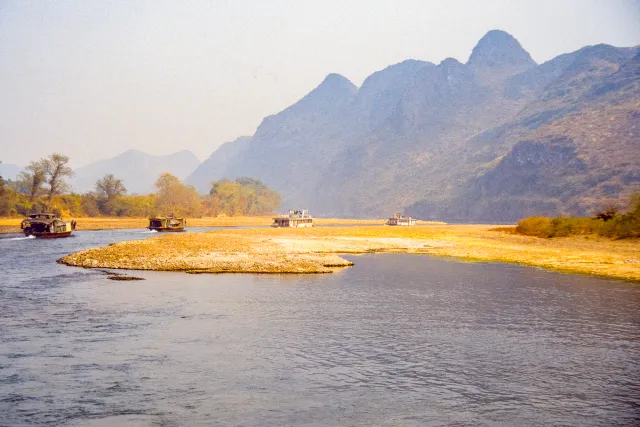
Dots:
pixel 92 79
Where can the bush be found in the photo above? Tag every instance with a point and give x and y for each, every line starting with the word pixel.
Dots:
pixel 565 226
pixel 615 226
pixel 539 226
pixel 627 225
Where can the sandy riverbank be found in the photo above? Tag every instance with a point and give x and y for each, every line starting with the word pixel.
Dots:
pixel 12 225
pixel 316 250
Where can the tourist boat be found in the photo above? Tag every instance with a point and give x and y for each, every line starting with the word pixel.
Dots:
pixel 170 223
pixel 399 219
pixel 46 226
pixel 294 219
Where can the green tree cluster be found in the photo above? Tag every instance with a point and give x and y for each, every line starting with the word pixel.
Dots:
pixel 175 198
pixel 245 196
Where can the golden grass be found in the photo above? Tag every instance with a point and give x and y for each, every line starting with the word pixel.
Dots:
pixel 314 250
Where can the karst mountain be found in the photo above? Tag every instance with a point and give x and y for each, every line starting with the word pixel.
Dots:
pixel 492 140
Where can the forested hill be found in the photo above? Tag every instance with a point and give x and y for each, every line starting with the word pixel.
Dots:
pixel 493 139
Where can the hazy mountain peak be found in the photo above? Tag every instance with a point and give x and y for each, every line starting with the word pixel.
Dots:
pixel 336 83
pixel 449 62
pixel 132 151
pixel 499 49
pixel 334 90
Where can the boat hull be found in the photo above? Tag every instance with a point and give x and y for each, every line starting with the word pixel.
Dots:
pixel 166 230
pixel 301 225
pixel 49 235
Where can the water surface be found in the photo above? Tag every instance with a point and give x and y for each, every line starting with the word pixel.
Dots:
pixel 402 340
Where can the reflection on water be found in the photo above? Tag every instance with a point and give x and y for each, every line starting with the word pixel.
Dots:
pixel 395 340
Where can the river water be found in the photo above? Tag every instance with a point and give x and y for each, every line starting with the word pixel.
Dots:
pixel 396 340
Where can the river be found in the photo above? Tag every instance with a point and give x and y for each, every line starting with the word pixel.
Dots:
pixel 396 340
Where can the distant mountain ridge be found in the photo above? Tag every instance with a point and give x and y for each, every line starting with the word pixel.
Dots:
pixel 9 171
pixel 137 169
pixel 494 139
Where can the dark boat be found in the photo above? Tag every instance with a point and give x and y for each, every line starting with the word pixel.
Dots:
pixel 167 223
pixel 46 226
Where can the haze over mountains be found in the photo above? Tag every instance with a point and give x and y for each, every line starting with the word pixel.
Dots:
pixel 138 170
pixel 494 139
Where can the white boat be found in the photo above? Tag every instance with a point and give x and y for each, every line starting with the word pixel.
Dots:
pixel 294 218
pixel 399 219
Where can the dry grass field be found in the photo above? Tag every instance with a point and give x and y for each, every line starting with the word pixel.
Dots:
pixel 315 250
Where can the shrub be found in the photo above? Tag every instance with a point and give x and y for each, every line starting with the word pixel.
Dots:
pixel 566 226
pixel 613 224
pixel 539 226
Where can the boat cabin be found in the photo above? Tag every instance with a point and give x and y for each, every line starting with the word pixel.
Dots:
pixel 294 218
pixel 171 223
pixel 399 219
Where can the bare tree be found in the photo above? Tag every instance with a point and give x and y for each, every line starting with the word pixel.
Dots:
pixel 57 169
pixel 609 208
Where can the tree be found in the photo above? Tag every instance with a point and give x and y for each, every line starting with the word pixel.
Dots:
pixel 57 169
pixel 608 210
pixel 32 178
pixel 176 198
pixel 109 190
pixel 8 197
pixel 110 187
pixel 245 196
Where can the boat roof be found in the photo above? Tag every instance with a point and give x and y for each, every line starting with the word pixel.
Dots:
pixel 42 215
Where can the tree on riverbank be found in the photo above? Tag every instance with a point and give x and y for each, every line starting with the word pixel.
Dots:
pixel 245 196
pixel 176 198
pixel 56 170
pixel 32 178
pixel 43 185
pixel 109 189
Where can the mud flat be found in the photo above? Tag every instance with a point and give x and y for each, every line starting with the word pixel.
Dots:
pixel 316 250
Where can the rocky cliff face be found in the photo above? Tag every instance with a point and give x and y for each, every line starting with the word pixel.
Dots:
pixel 492 139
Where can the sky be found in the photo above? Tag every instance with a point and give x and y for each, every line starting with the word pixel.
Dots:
pixel 94 78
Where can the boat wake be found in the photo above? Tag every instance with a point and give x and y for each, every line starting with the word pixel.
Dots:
pixel 149 231
pixel 20 238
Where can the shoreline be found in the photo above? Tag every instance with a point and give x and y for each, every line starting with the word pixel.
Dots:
pixel 12 225
pixel 317 250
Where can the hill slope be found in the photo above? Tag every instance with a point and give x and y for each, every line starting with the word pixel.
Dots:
pixel 216 166
pixel 458 140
